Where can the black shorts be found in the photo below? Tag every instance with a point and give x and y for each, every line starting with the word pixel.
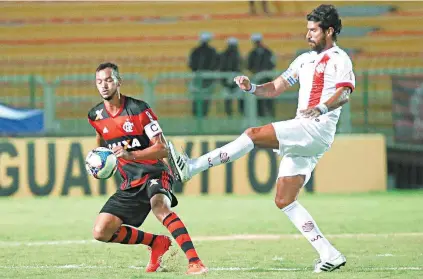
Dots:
pixel 132 206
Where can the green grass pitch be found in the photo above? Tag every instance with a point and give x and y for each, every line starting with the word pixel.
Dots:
pixel 381 234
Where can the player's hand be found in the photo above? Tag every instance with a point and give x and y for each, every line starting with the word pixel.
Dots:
pixel 311 112
pixel 120 152
pixel 243 82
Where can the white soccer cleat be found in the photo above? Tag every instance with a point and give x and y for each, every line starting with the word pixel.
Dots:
pixel 179 164
pixel 330 265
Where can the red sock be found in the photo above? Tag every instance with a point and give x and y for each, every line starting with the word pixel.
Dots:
pixel 180 234
pixel 129 235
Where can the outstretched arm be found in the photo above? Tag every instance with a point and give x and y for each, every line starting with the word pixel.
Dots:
pixel 273 88
pixel 269 89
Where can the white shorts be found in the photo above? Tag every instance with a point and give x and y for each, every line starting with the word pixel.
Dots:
pixel 300 151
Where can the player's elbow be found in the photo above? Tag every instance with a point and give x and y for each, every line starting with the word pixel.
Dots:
pixel 278 87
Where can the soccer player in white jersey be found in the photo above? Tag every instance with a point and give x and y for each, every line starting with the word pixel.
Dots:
pixel 326 80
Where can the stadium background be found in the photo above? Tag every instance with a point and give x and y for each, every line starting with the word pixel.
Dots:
pixel 49 51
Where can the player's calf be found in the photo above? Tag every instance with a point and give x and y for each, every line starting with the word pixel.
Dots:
pixel 160 205
pixel 180 233
pixel 108 228
pixel 130 235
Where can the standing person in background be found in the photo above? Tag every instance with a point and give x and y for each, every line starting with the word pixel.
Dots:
pixel 202 58
pixel 262 59
pixel 253 7
pixel 230 61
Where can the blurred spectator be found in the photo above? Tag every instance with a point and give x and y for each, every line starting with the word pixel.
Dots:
pixel 202 58
pixel 416 110
pixel 230 61
pixel 277 6
pixel 262 59
pixel 253 7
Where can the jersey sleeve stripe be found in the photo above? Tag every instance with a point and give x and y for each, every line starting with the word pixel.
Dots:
pixel 287 75
pixel 345 84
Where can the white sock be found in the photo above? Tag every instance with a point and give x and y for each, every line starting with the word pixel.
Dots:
pixel 227 153
pixel 300 217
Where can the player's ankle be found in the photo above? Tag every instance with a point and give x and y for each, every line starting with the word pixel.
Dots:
pixel 195 263
pixel 330 255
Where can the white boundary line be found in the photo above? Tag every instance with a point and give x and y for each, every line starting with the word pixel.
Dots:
pixel 220 238
pixel 73 266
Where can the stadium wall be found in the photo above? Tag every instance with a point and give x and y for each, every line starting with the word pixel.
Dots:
pixel 355 163
pixel 55 166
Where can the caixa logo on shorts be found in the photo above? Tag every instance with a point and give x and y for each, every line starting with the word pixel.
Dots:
pixel 127 144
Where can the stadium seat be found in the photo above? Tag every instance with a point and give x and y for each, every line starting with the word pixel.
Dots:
pixel 54 39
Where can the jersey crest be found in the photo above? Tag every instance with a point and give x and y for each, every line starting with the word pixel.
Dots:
pixel 128 126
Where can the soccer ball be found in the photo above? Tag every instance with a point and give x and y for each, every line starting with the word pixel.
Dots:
pixel 101 163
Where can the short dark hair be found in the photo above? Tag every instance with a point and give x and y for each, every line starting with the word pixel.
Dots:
pixel 114 67
pixel 328 16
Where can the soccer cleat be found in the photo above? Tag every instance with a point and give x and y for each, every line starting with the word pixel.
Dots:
pixel 196 268
pixel 179 164
pixel 330 265
pixel 160 246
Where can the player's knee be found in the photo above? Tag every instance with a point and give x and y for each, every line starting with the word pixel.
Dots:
pixel 157 204
pixel 289 188
pixel 282 202
pixel 160 205
pixel 159 201
pixel 100 233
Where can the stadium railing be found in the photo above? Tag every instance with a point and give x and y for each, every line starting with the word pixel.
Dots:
pixel 66 101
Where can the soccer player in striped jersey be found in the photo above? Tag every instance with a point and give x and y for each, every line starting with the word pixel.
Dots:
pixel 130 128
pixel 326 80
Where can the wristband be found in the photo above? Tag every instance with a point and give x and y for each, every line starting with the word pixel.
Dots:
pixel 252 89
pixel 322 108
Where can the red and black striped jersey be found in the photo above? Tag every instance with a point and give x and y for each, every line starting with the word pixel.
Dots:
pixel 126 129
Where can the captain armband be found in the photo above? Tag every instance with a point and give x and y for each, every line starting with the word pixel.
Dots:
pixel 290 76
pixel 153 129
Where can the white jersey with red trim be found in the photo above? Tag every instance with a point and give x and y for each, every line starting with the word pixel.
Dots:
pixel 319 75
